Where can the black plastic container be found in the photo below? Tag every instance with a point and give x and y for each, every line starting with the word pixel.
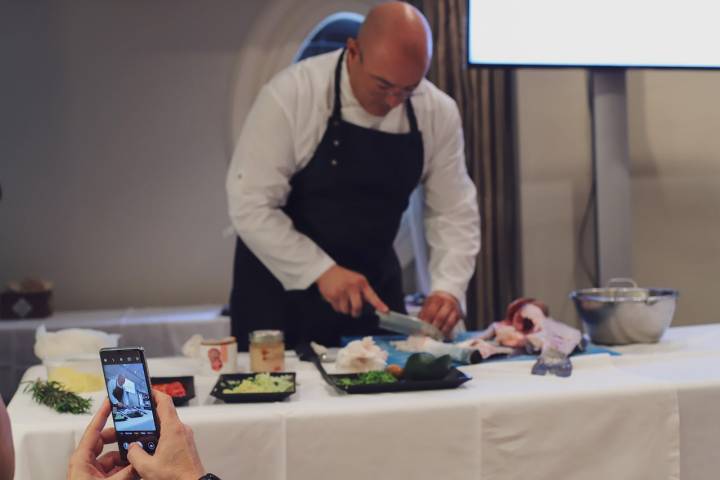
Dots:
pixel 188 382
pixel 453 379
pixel 221 384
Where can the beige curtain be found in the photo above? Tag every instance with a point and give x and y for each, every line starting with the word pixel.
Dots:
pixel 485 100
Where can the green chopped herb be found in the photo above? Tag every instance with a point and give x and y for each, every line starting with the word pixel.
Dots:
pixel 367 378
pixel 54 395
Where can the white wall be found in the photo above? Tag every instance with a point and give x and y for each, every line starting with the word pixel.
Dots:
pixel 674 118
pixel 117 121
pixel 554 158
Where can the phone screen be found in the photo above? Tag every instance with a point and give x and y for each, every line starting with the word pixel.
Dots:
pixel 130 395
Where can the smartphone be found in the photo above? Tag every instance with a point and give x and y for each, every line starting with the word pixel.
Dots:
pixel 130 395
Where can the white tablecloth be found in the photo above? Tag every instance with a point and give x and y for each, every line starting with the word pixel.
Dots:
pixel 652 413
pixel 162 331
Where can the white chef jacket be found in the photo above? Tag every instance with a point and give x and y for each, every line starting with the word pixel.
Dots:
pixel 280 136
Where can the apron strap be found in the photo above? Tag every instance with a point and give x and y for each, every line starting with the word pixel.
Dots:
pixel 118 393
pixel 411 115
pixel 336 115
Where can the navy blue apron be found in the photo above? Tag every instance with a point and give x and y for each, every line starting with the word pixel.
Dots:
pixel 349 200
pixel 118 393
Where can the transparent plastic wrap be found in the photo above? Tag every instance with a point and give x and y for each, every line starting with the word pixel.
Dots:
pixel 559 341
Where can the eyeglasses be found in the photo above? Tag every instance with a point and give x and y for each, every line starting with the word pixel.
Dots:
pixel 386 89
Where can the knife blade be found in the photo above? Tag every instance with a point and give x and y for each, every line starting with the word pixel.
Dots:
pixel 408 325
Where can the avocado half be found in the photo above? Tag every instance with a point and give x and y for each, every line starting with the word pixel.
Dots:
pixel 425 366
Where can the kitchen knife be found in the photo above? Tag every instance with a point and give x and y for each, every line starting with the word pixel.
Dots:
pixel 408 325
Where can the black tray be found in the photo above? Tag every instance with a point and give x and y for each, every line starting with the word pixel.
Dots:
pixel 188 382
pixel 453 379
pixel 217 390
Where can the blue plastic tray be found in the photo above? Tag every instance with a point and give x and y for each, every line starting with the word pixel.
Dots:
pixel 397 357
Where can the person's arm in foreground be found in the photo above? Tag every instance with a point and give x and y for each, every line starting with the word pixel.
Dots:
pixel 7 455
pixel 85 463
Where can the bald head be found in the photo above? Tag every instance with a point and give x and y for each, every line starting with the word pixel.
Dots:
pixel 397 29
pixel 390 57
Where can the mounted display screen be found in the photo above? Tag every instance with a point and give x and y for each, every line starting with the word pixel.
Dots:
pixel 594 33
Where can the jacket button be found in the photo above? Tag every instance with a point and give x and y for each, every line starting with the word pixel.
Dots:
pixel 333 162
pixel 336 142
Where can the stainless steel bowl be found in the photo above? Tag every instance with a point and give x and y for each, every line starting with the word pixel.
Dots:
pixel 617 315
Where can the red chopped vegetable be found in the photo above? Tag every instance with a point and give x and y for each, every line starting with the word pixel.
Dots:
pixel 174 389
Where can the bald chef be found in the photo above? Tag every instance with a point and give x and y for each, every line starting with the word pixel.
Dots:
pixel 324 167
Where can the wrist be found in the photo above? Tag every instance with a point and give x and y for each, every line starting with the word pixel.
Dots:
pixel 317 271
pixel 195 475
pixel 328 271
pixel 445 294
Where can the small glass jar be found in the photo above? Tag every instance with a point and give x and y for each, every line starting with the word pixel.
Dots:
pixel 267 351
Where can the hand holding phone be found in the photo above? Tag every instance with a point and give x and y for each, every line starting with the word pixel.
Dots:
pixel 176 456
pixel 85 463
pixel 130 395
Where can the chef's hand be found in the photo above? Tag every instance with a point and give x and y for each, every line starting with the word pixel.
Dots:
pixel 442 310
pixel 176 457
pixel 346 291
pixel 85 464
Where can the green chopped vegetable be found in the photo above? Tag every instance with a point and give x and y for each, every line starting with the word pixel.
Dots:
pixel 260 383
pixel 54 395
pixel 368 378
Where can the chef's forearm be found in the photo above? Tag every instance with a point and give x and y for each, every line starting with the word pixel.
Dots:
pixel 452 221
pixel 293 258
pixel 258 184
pixel 454 241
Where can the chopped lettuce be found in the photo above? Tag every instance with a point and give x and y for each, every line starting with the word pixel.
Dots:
pixel 260 383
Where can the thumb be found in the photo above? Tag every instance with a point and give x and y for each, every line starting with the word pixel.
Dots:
pixel 139 459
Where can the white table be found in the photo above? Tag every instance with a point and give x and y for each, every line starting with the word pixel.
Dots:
pixel 162 331
pixel 653 413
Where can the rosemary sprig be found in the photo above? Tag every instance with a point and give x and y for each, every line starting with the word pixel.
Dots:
pixel 54 395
